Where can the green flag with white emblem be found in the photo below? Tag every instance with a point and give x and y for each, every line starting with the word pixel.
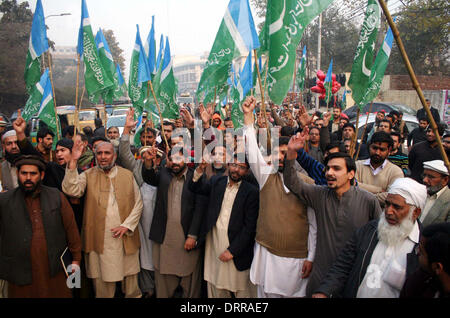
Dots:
pixel 378 69
pixel 287 20
pixel 167 87
pixel 363 60
pixel 34 101
pixel 96 79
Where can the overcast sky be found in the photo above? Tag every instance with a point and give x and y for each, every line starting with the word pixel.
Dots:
pixel 190 24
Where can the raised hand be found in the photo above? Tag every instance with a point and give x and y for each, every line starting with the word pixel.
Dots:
pixel 187 117
pixel 77 149
pixel 326 119
pixel 19 124
pixel 249 105
pixel 303 117
pixel 204 114
pixel 130 123
pixel 297 141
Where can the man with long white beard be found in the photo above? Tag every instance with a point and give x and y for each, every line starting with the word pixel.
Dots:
pixel 377 259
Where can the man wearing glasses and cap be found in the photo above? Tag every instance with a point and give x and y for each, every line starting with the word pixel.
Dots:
pixel 437 207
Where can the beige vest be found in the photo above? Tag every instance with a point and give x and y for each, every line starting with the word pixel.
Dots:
pixel 282 225
pixel 96 203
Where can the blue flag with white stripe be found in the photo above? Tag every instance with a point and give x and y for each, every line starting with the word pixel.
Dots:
pixel 38 44
pixel 236 36
pixel 143 71
pixel 150 49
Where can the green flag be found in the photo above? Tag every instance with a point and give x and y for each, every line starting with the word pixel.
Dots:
pixel 378 69
pixel 136 91
pixel 96 79
pixel 167 87
pixel 47 108
pixel 287 20
pixel 301 74
pixel 363 60
pixel 107 61
pixel 237 115
pixel 34 101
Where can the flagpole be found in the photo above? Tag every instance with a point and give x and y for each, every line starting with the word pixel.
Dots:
pixel 416 85
pixel 353 144
pixel 265 75
pixel 77 111
pixel 160 116
pixel 365 129
pixel 77 127
pixel 263 104
pixel 58 134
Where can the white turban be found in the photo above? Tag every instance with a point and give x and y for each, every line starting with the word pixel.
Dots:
pixel 9 133
pixel 412 191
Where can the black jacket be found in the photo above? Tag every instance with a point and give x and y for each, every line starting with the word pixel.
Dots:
pixel 243 218
pixel 348 271
pixel 16 234
pixel 191 214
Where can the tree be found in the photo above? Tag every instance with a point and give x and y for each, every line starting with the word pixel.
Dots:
pixel 15 26
pixel 116 51
pixel 424 27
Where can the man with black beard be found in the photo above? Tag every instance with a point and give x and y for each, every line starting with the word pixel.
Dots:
pixel 380 255
pixel 377 173
pixel 36 225
pixel 175 226
pixel 8 172
pixel 229 229
pixel 437 207
pixel 285 241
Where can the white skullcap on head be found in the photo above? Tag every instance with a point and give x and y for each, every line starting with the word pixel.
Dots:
pixel 436 165
pixel 9 133
pixel 412 191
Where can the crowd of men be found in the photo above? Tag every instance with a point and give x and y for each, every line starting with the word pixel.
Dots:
pixel 276 208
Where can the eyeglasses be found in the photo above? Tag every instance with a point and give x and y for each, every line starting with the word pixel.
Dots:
pixel 237 166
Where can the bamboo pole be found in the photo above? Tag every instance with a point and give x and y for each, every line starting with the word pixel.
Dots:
pixel 160 116
pixel 365 129
pixel 263 104
pixel 77 111
pixel 413 77
pixel 58 133
pixel 265 76
pixel 353 144
pixel 77 118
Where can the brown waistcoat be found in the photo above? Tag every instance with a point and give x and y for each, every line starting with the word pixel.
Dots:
pixel 96 203
pixel 282 225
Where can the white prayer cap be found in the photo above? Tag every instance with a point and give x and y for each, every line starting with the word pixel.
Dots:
pixel 412 191
pixel 436 165
pixel 9 133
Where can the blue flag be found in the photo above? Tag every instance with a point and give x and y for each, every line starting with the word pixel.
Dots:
pixel 150 48
pixel 239 11
pixel 143 71
pixel 38 44
pixel 84 21
pixel 38 38
pixel 119 73
pixel 246 78
pixel 160 52
pixel 328 82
